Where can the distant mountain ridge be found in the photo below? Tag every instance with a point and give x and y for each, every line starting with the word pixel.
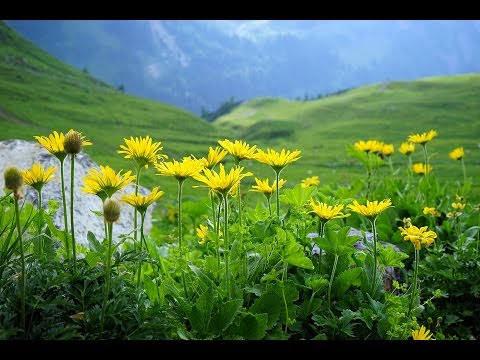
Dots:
pixel 199 64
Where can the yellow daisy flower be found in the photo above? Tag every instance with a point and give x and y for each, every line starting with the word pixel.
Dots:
pixel 418 236
pixel 105 182
pixel 421 169
pixel 421 334
pixel 240 150
pixel 431 211
pixel 423 138
pixel 202 232
pixel 277 160
pixel 141 202
pixel 54 144
pixel 457 154
pixel 142 150
pixel 372 209
pixel 310 181
pixel 221 182
pixel 407 148
pixel 387 149
pixel 74 142
pixel 188 167
pixel 37 176
pixel 327 212
pixel 458 206
pixel 265 188
pixel 214 157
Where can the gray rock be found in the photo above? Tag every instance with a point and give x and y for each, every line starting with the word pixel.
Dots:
pixel 23 154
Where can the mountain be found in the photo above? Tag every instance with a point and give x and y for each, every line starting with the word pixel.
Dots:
pixel 197 64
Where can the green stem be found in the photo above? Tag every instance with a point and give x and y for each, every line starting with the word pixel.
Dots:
pixel 391 165
pixel 414 286
pixel 277 173
pixel 478 230
pixel 39 224
pixel 135 217
pixel 65 219
pixel 215 228
pixel 237 163
pixel 107 276
pixel 225 235
pixel 321 229
pixel 284 275
pixel 331 280
pixel 140 261
pixel 22 262
pixel 464 172
pixel 269 206
pixel 72 177
pixel 427 173
pixel 374 277
pixel 369 174
pixel 180 233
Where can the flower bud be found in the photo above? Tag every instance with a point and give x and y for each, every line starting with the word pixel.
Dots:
pixel 13 179
pixel 73 143
pixel 111 210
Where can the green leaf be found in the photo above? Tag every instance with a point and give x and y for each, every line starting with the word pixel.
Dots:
pixel 150 288
pixel 94 244
pixel 337 242
pixel 298 196
pixel 226 313
pixel 293 254
pixel 342 282
pixel 269 303
pixel 201 312
pixel 387 256
pixel 92 258
pixel 253 326
pixel 316 283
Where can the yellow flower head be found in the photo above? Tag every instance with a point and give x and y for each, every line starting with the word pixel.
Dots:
pixel 74 142
pixel 423 138
pixel 453 214
pixel 140 202
pixel 407 148
pixel 431 211
pixel 458 206
pixel 421 334
pixel 105 182
pixel 369 146
pixel 459 198
pixel 372 209
pixel 202 232
pixel 188 167
pixel 421 169
pixel 142 150
pixel 457 154
pixel 310 181
pixel 54 144
pixel 221 182
pixel 265 188
pixel 387 149
pixel 326 212
pixel 277 160
pixel 240 150
pixel 214 157
pixel 37 176
pixel 418 236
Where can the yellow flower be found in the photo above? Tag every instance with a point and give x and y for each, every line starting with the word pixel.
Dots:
pixel 265 188
pixel 277 160
pixel 458 206
pixel 105 182
pixel 327 212
pixel 188 167
pixel 387 149
pixel 37 176
pixel 453 214
pixel 372 209
pixel 421 334
pixel 377 146
pixel 240 150
pixel 310 181
pixel 369 146
pixel 54 144
pixel 221 182
pixel 214 157
pixel 202 232
pixel 459 198
pixel 457 153
pixel 423 138
pixel 421 169
pixel 140 202
pixel 142 150
pixel 418 236
pixel 407 148
pixel 74 142
pixel 431 211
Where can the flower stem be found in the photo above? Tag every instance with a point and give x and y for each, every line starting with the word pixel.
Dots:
pixel 277 173
pixel 284 275
pixel 369 174
pixel 22 262
pixel 107 275
pixel 39 224
pixel 135 217
pixel 140 261
pixel 180 234
pixel 72 177
pixel 65 219
pixel 374 276
pixel 464 172
pixel 225 235
pixel 414 286
pixel 321 229
pixel 331 280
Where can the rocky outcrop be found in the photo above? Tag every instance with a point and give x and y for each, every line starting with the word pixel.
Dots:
pixel 23 154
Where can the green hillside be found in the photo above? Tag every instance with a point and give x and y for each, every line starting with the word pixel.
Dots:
pixel 386 112
pixel 39 94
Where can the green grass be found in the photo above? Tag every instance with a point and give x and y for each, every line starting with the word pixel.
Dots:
pixel 323 128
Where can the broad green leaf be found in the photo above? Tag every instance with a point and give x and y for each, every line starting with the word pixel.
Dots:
pixel 269 303
pixel 150 288
pixel 343 281
pixel 316 283
pixel 222 319
pixel 94 244
pixel 387 256
pixel 337 242
pixel 298 196
pixel 293 254
pixel 92 258
pixel 253 326
pixel 202 310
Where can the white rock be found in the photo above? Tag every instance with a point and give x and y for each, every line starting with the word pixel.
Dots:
pixel 23 154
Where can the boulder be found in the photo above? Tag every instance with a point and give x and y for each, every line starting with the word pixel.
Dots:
pixel 23 154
